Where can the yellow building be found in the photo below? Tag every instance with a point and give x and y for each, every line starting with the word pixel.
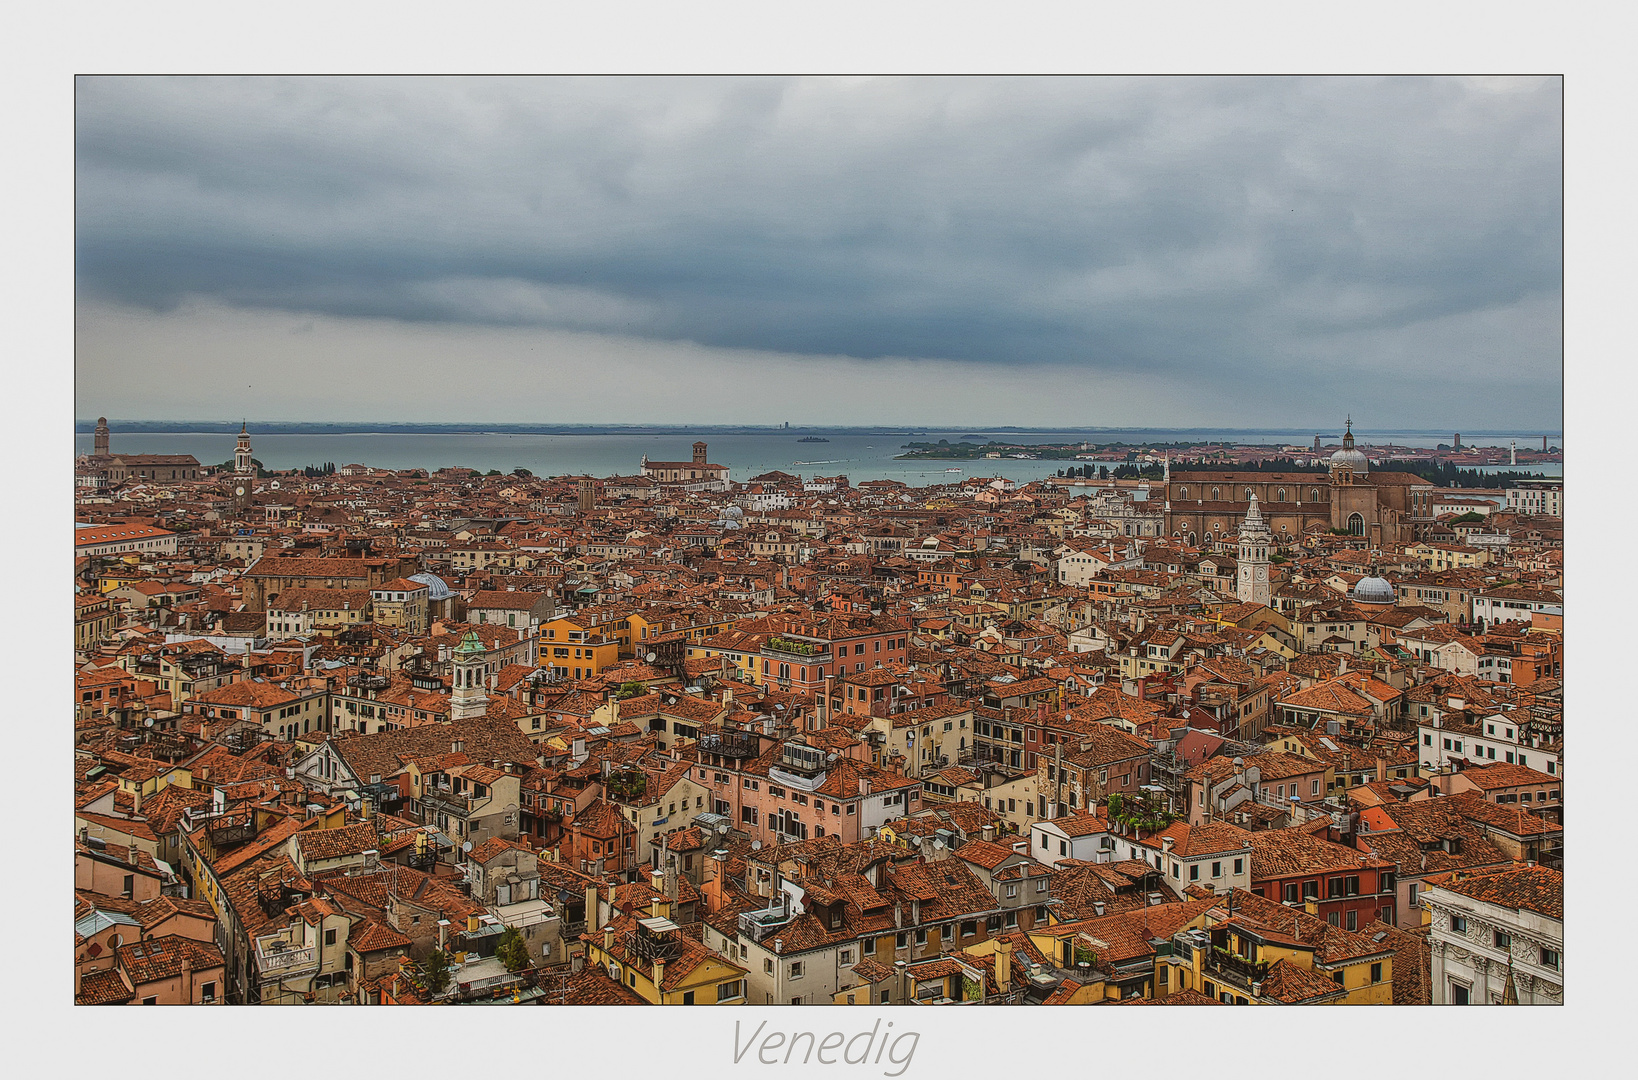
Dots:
pixel 576 647
pixel 1254 951
pixel 654 959
pixel 1450 556
pixel 742 651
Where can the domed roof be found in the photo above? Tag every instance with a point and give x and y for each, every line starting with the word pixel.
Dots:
pixel 1348 457
pixel 1373 590
pixel 436 589
pixel 1353 459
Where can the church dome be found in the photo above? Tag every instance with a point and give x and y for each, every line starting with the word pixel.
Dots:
pixel 1352 459
pixel 1372 590
pixel 436 589
pixel 1348 457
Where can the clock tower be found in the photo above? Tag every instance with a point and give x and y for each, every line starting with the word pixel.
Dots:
pixel 244 470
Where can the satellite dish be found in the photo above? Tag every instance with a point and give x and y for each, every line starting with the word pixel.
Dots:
pixel 466 845
pixel 652 657
pixel 148 722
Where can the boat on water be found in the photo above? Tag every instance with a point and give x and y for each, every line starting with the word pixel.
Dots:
pixel 952 470
pixel 813 438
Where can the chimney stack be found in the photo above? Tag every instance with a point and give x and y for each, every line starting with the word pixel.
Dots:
pixel 1003 965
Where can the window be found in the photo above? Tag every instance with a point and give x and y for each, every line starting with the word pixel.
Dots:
pixel 902 941
pixel 1376 973
pixel 868 946
pixel 1239 866
pixel 1291 893
pixel 1458 924
pixel 1549 958
pixel 921 936
pixel 1353 920
pixel 150 1001
pixel 1458 994
pixel 1501 940
pixel 1194 871
pixel 1041 884
pixel 847 956
pixel 767 967
pixel 1012 892
pixel 796 969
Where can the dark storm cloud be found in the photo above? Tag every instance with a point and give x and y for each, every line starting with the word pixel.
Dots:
pixel 1236 229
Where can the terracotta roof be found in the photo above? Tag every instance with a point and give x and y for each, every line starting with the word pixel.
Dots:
pixel 1531 888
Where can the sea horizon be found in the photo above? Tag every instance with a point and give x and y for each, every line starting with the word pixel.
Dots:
pixel 858 453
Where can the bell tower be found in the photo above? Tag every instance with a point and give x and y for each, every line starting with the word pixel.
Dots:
pixel 244 469
pixel 467 698
pixel 1252 585
pixel 99 438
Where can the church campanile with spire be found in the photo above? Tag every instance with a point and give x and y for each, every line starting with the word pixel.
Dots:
pixel 1252 585
pixel 244 469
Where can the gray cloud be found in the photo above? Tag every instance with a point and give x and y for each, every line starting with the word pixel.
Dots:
pixel 1283 243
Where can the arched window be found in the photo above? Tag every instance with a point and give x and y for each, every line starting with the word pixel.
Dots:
pixel 1279 495
pixel 1356 525
pixel 1183 492
pixel 1216 494
pixel 1313 495
pixel 1248 494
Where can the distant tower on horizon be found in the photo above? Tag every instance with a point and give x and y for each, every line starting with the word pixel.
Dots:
pixel 1513 452
pixel 1316 443
pixel 588 495
pixel 99 440
pixel 1458 442
pixel 699 453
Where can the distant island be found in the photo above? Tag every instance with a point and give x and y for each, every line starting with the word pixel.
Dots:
pixel 813 438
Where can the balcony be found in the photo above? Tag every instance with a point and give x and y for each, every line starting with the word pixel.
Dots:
pixel 1238 969
pixel 436 798
pixel 277 958
pixel 812 650
pixel 729 744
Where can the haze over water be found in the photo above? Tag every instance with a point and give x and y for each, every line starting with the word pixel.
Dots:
pixel 858 455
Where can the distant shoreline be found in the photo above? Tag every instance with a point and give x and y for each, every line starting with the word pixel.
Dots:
pixel 267 427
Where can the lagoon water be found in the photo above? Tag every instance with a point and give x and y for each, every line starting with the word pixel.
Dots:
pixel 858 455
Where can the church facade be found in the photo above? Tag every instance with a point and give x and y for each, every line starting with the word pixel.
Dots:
pixel 1386 508
pixel 102 469
pixel 696 475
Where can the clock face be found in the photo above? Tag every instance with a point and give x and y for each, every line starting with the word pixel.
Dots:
pixel 238 491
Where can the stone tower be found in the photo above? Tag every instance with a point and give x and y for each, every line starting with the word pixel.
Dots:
pixel 699 453
pixel 1252 586
pixel 244 470
pixel 468 699
pixel 242 464
pixel 99 443
pixel 588 495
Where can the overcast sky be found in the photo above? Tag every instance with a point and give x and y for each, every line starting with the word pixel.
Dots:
pixel 1164 252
